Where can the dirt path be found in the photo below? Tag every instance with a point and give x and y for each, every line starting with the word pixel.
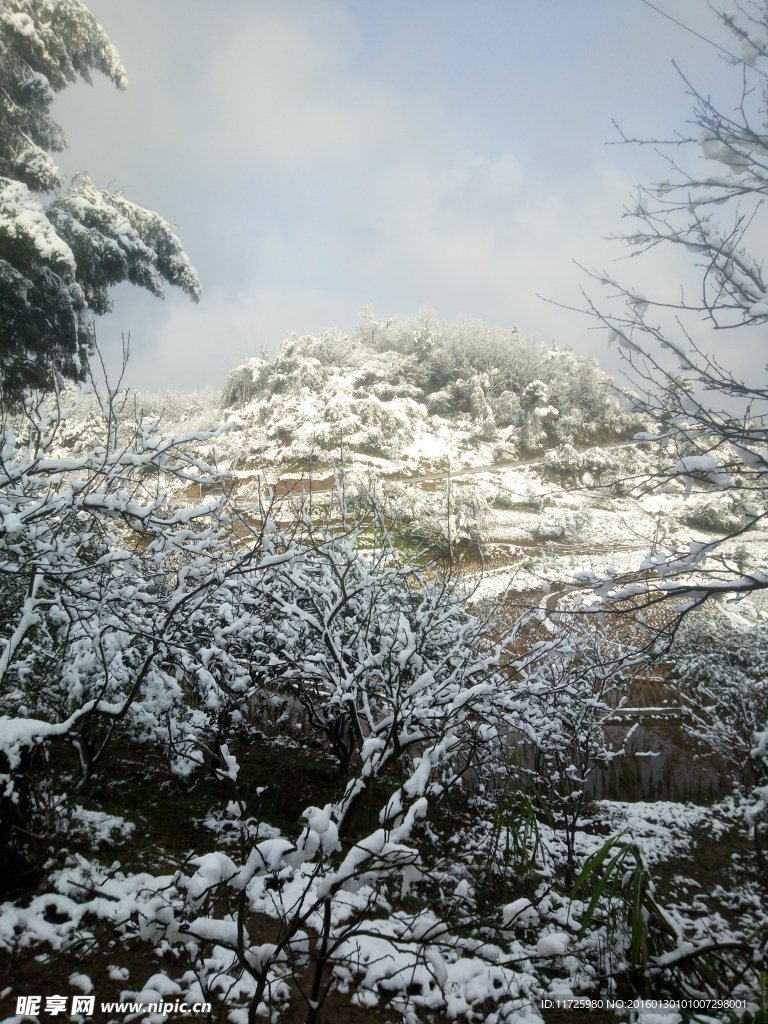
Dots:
pixel 287 484
pixel 494 466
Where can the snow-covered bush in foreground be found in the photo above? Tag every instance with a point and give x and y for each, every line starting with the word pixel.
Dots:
pixel 563 694
pixel 124 617
pixel 96 577
pixel 121 615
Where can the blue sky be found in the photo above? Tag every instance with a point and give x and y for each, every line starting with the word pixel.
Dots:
pixel 318 157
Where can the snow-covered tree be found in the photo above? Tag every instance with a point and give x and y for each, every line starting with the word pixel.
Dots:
pixel 710 427
pixel 185 631
pixel 711 431
pixel 62 246
pixel 122 616
pixel 455 368
pixel 96 577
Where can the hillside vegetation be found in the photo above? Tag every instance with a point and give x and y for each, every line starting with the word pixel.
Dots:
pixel 415 391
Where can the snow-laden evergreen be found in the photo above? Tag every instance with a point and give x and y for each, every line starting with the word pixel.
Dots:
pixel 62 246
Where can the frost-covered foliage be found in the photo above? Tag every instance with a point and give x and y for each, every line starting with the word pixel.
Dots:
pixel 369 650
pixel 512 371
pixel 599 465
pixel 722 679
pixel 124 617
pixel 449 517
pixel 382 951
pixel 175 413
pixel 462 369
pixel 722 515
pixel 59 256
pixel 96 575
pixel 389 672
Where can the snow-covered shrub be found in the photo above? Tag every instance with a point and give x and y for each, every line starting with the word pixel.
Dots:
pixel 506 409
pixel 394 672
pixel 122 616
pixel 179 411
pixel 565 461
pixel 721 677
pixel 457 367
pixel 603 465
pixel 100 581
pixel 442 519
pixel 500 359
pixel 355 637
pixel 176 413
pixel 713 516
pixel 240 387
pixel 556 704
pixel 568 526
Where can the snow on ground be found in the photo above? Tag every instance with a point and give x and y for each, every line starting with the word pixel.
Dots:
pixel 663 828
pixel 533 949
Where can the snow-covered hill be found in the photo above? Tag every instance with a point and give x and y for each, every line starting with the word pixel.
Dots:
pixel 413 396
pixel 470 432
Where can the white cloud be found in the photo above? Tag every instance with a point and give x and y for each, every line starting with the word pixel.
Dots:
pixel 316 185
pixel 195 346
pixel 480 236
pixel 282 97
pixel 270 89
